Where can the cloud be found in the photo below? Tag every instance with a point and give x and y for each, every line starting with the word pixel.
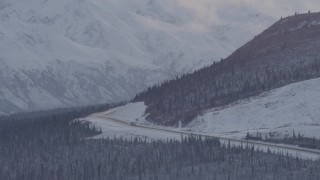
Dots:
pixel 277 8
pixel 274 8
pixel 202 15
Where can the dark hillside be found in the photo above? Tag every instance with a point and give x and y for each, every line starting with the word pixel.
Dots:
pixel 287 52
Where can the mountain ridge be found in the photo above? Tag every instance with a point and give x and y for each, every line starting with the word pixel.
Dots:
pixel 91 52
pixel 272 59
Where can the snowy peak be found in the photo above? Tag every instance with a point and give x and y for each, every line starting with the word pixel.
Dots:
pixel 77 52
pixel 145 30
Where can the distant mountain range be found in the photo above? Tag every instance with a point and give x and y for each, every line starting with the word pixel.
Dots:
pixel 287 52
pixel 80 52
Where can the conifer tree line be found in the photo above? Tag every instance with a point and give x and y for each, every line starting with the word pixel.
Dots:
pixel 294 139
pixel 277 57
pixel 220 84
pixel 56 125
pixel 57 147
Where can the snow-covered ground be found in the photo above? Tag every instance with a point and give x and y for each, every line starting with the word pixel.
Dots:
pixel 116 123
pixel 292 107
pixel 131 112
pixel 68 53
pixel 281 110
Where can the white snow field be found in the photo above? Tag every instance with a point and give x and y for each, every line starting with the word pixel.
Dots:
pixel 292 107
pixel 117 123
pixel 62 53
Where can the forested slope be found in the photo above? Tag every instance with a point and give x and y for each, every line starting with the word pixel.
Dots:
pixel 287 52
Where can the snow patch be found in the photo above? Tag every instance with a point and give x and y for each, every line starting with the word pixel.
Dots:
pixel 305 24
pixel 131 112
pixel 315 23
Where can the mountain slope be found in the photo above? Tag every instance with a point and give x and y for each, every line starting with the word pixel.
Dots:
pixel 279 111
pixel 286 52
pixel 77 52
pixel 292 107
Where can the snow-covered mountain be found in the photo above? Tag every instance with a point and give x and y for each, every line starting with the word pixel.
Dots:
pixel 57 53
pixel 285 53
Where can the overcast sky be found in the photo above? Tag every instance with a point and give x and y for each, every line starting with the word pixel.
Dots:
pixel 274 8
pixel 278 8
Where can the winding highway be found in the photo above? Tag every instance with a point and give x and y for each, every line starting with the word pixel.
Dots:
pixel 283 148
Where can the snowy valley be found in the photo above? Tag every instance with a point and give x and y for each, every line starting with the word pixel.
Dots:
pixel 159 90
